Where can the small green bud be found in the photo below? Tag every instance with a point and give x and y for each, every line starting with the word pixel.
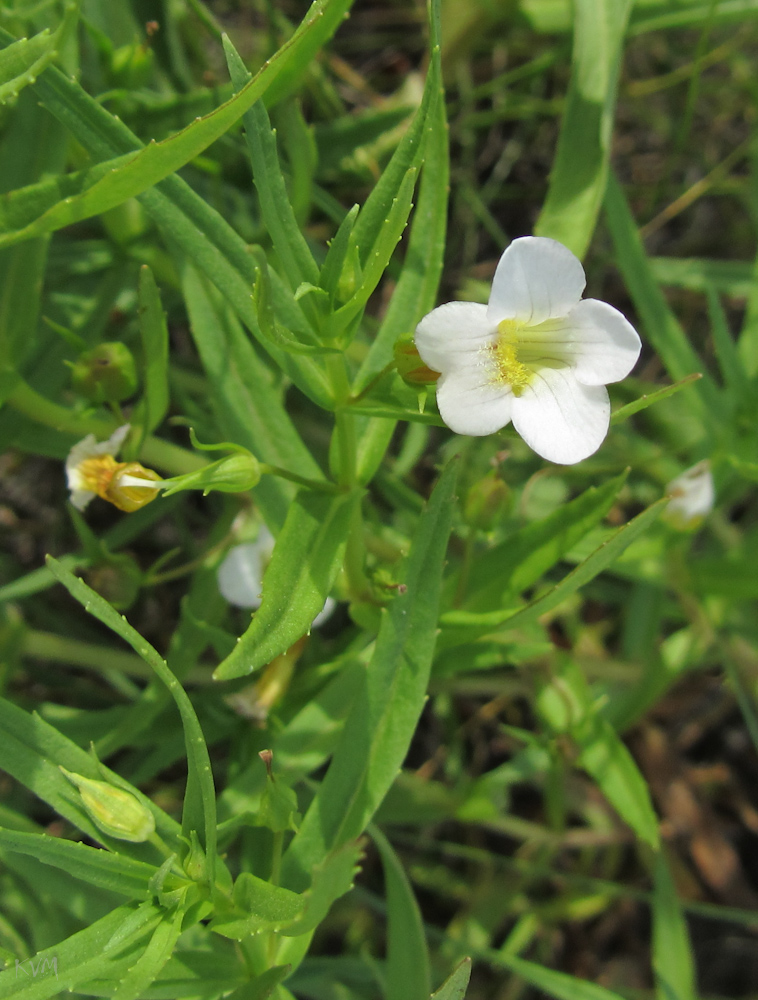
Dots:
pixel 106 374
pixel 236 473
pixel 116 811
pixel 410 367
pixel 487 502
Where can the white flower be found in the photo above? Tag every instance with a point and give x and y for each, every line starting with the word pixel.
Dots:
pixel 692 496
pixel 538 354
pixel 89 463
pixel 240 575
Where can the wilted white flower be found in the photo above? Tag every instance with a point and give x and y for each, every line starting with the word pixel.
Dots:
pixel 92 470
pixel 240 575
pixel 692 496
pixel 538 354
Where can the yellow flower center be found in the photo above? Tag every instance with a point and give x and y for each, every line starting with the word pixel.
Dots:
pixel 511 371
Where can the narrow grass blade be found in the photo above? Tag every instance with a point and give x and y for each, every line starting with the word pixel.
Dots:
pixel 651 398
pixel 580 169
pixel 660 325
pixel 672 953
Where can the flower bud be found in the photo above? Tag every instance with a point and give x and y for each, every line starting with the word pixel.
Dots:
pixel 487 502
pixel 128 489
pixel 692 497
pixel 236 473
pixel 117 812
pixel 106 374
pixel 410 367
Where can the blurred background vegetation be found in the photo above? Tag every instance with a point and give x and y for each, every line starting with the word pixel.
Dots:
pixel 510 849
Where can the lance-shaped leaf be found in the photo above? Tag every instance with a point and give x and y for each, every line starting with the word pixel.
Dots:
pixel 672 951
pixel 467 626
pixel 388 704
pixel 307 557
pixel 456 984
pixel 106 187
pixel 199 812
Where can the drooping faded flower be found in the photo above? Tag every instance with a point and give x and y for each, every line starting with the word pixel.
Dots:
pixel 538 354
pixel 692 497
pixel 240 575
pixel 92 470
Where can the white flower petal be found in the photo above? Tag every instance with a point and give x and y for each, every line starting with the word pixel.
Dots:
pixel 325 613
pixel 240 575
pixel 80 498
pixel 601 344
pixel 448 336
pixel 472 401
pixel 90 447
pixel 536 279
pixel 561 419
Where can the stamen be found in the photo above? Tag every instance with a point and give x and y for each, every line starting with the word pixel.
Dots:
pixel 511 370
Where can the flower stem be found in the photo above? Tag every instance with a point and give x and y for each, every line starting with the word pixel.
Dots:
pixel 155 451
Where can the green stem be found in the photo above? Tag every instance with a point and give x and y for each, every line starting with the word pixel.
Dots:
pixel 374 381
pixel 32 404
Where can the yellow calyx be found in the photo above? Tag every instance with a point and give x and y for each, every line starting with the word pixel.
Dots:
pixel 511 370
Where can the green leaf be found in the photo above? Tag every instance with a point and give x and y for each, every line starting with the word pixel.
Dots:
pixel 154 337
pixel 456 984
pixel 384 245
pixel 100 952
pixel 673 962
pixel 469 625
pixel 110 185
pixel 566 707
pixel 248 408
pixel 262 906
pixel 555 984
pixel 32 751
pixel 523 558
pixel 186 220
pixel 380 726
pixel 651 398
pixel 732 369
pixel 580 169
pixel 660 325
pixel 113 872
pixel 158 951
pixel 22 62
pixel 416 291
pixel 408 976
pixel 278 216
pixel 200 799
pixel 307 557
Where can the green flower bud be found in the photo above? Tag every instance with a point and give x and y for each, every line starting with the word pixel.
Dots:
pixel 487 502
pixel 106 374
pixel 116 811
pixel 410 367
pixel 236 473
